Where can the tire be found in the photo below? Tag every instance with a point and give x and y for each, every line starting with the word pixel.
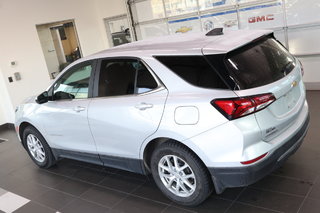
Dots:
pixel 199 184
pixel 35 144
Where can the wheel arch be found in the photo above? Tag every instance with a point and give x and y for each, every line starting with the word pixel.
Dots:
pixel 22 126
pixel 151 146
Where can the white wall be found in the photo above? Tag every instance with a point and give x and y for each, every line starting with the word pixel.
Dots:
pixel 6 109
pixel 106 9
pixel 19 41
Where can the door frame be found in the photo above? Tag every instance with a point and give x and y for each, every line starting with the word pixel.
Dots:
pixel 55 23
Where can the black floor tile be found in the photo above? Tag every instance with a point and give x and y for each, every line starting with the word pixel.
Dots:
pixel 242 208
pixel 29 190
pixel 54 199
pixel 310 206
pixel 64 168
pixel 37 175
pixel 87 165
pixel 283 191
pixel 271 200
pixel 14 161
pixel 48 179
pixel 150 190
pixel 103 196
pixel 10 182
pixel 82 206
pixel 33 207
pixel 212 204
pixel 308 155
pixel 111 170
pixel 229 194
pixel 172 209
pixel 133 204
pixel 295 170
pixel 121 183
pixel 94 176
pixel 283 184
pixel 315 191
pixel 133 175
pixel 74 187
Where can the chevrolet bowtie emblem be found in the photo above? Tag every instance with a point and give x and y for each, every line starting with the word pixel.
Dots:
pixel 293 84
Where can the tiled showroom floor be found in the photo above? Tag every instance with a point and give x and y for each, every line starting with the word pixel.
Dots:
pixel 72 186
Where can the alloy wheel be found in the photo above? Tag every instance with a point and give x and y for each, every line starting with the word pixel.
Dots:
pixel 36 149
pixel 177 176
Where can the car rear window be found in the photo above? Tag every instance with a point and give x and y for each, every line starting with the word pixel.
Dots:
pixel 259 63
pixel 194 70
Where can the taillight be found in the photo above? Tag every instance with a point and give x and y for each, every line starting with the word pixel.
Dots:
pixel 301 67
pixel 233 108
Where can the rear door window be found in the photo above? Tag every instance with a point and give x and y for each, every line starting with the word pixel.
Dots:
pixel 194 70
pixel 260 63
pixel 124 77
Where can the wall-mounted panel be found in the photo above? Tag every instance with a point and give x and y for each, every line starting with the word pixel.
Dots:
pixel 304 40
pixel 191 24
pixel 225 19
pixel 145 31
pixel 150 10
pixel 296 23
pixel 302 11
pixel 261 16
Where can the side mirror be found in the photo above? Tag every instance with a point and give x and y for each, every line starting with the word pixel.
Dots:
pixel 42 98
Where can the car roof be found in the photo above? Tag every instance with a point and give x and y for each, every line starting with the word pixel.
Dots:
pixel 179 44
pixel 185 44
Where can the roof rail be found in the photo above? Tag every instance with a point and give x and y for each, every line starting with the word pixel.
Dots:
pixel 215 32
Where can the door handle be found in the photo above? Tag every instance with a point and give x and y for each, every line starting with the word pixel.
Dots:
pixel 79 108
pixel 144 106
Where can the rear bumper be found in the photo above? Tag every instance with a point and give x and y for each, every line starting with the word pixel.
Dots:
pixel 242 176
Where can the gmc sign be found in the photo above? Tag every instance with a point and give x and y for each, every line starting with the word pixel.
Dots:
pixel 261 18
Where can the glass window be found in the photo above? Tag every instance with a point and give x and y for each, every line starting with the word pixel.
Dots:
pixel 179 7
pixel 259 63
pixel 210 4
pixel 194 70
pixel 124 77
pixel 74 84
pixel 118 30
pixel 145 81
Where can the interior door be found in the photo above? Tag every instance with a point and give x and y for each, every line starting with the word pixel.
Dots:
pixel 65 117
pixel 127 109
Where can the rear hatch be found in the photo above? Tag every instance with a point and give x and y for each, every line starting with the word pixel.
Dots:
pixel 265 66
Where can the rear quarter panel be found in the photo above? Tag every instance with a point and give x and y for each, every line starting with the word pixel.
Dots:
pixel 208 116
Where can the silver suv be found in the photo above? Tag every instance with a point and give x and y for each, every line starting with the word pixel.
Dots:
pixel 199 112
